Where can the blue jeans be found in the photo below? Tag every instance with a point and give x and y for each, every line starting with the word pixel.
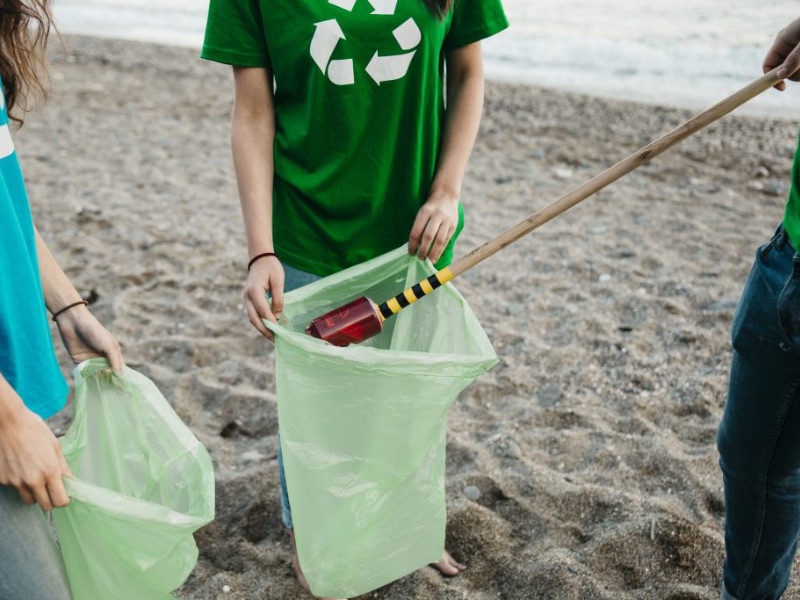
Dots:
pixel 294 278
pixel 30 563
pixel 759 437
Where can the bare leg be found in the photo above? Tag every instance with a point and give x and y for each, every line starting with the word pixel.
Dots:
pixel 298 571
pixel 448 566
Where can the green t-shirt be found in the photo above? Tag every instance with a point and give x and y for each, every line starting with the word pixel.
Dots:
pixel 791 218
pixel 359 108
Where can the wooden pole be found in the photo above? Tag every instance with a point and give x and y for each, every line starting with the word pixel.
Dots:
pixel 611 174
pixel 594 185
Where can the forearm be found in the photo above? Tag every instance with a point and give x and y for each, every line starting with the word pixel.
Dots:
pixel 465 89
pixel 58 289
pixel 10 402
pixel 83 336
pixel 252 137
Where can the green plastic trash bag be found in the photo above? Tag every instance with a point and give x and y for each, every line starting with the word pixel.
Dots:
pixel 143 484
pixel 363 428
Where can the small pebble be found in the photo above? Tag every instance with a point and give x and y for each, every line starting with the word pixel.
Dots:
pixel 722 305
pixel 514 308
pixel 253 456
pixel 512 450
pixel 226 588
pixel 472 492
pixel 549 395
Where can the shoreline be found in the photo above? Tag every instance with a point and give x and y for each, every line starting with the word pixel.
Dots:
pixel 591 443
pixel 497 72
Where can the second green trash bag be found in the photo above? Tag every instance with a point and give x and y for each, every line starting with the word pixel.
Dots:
pixel 142 485
pixel 363 428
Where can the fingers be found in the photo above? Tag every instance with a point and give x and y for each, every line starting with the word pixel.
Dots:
pixel 433 228
pixel 49 491
pixel 265 279
pixel 277 302
pixel 114 355
pixel 438 244
pixel 26 495
pixel 420 223
pixel 255 315
pixel 48 494
pixel 57 492
pixel 432 241
pixel 790 67
pixel 85 337
pixel 785 53
pixel 31 459
pixel 41 496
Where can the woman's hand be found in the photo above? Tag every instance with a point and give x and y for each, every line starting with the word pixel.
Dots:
pixel 30 455
pixel 265 277
pixel 434 226
pixel 785 52
pixel 84 337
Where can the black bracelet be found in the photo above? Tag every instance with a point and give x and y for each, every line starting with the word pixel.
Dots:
pixel 68 306
pixel 257 256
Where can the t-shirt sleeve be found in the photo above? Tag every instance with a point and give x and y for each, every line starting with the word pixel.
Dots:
pixel 235 34
pixel 474 20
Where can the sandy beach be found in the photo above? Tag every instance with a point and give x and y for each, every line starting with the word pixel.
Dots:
pixel 591 443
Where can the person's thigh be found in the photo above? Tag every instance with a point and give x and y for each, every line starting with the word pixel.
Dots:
pixel 293 279
pixel 30 563
pixel 760 419
pixel 758 441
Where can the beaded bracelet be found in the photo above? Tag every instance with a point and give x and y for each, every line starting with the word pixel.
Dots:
pixel 68 306
pixel 257 256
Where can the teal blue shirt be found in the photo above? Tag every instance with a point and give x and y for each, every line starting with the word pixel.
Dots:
pixel 27 358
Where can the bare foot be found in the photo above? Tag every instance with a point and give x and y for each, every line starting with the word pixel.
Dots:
pixel 448 566
pixel 299 572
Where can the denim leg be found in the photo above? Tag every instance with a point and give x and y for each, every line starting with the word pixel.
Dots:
pixel 759 437
pixel 30 563
pixel 293 279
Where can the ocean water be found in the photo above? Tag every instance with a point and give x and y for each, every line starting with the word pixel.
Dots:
pixel 688 53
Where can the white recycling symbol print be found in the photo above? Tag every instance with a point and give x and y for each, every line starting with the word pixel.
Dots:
pixel 381 68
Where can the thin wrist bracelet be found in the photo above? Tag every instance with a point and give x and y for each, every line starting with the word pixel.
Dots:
pixel 68 306
pixel 257 256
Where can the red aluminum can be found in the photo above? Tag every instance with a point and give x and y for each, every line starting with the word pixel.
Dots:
pixel 349 324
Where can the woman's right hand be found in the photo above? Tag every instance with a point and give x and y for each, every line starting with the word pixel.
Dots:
pixel 785 52
pixel 30 455
pixel 265 277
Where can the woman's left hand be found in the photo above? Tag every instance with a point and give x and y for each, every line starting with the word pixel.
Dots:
pixel 435 224
pixel 84 337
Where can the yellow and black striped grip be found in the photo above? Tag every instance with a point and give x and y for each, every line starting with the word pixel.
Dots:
pixel 414 293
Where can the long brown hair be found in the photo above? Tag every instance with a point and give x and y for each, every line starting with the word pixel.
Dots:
pixel 24 28
pixel 439 7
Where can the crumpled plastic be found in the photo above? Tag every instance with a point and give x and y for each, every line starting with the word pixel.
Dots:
pixel 363 428
pixel 142 485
